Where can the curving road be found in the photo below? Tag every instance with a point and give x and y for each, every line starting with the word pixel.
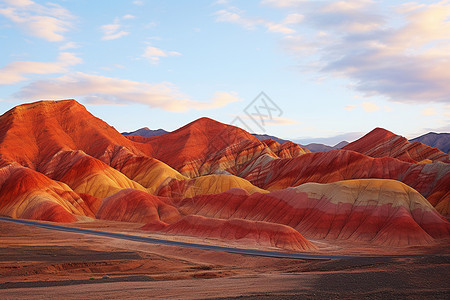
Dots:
pixel 192 245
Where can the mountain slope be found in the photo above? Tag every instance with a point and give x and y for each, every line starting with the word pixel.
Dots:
pixel 381 143
pixel 378 211
pixel 436 140
pixel 206 146
pixel 60 163
pixel 431 180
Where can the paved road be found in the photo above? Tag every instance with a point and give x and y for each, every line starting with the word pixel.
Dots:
pixel 190 245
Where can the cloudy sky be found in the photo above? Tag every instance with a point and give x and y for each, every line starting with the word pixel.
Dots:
pixel 327 68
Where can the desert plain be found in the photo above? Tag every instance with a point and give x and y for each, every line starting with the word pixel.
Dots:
pixel 40 264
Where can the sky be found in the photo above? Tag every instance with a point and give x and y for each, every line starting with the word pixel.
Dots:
pixel 296 69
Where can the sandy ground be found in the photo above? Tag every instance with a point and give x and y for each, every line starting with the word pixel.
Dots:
pixel 38 263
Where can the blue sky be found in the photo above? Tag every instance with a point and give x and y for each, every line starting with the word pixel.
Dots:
pixel 332 68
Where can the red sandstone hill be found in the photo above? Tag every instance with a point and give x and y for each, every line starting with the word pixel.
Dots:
pixel 28 194
pixel 130 205
pixel 33 133
pixel 383 143
pixel 286 150
pixel 239 230
pixel 60 163
pixel 206 146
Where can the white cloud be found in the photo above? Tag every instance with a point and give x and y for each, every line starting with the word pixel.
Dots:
pixel 49 21
pixel 113 31
pixel 370 107
pixel 128 17
pixel 138 2
pixel 94 89
pixel 154 54
pixel 15 72
pixel 350 107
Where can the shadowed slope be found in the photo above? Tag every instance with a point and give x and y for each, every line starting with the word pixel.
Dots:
pixel 380 143
pixel 378 211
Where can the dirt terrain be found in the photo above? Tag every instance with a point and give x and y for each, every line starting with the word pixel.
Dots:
pixel 40 263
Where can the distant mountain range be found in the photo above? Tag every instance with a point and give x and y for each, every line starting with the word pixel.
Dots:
pixel 313 147
pixel 146 132
pixel 436 140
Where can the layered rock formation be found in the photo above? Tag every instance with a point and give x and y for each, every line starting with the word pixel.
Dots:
pixel 59 163
pixel 130 205
pixel 384 212
pixel 28 194
pixel 431 180
pixel 382 143
pixel 206 147
pixel 240 231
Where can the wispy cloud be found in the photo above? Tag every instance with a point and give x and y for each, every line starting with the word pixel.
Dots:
pixel 403 56
pixel 234 15
pixel 15 72
pixel 154 54
pixel 283 3
pixel 49 21
pixel 224 98
pixel 128 17
pixel 94 89
pixel 114 31
pixel 69 45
